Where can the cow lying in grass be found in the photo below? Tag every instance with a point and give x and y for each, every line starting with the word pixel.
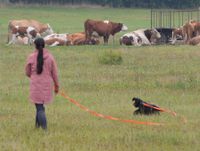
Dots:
pixel 141 37
pixel 195 41
pixel 56 39
pixel 69 39
pixel 144 107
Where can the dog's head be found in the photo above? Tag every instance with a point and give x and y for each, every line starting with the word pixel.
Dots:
pixel 137 102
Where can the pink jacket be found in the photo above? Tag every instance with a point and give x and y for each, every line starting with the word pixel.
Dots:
pixel 41 85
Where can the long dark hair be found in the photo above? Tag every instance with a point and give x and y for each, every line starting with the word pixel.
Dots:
pixel 39 45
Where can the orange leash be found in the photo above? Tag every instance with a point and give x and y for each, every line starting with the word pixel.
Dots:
pixel 106 116
pixel 160 109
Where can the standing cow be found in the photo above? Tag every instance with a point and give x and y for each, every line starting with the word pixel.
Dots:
pixel 102 28
pixel 189 31
pixel 42 29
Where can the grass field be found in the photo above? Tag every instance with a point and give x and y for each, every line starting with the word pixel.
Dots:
pixel 164 75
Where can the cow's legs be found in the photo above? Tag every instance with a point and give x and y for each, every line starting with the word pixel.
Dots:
pixel 113 39
pixel 13 39
pixel 30 38
pixel 105 38
pixel 56 43
pixel 9 37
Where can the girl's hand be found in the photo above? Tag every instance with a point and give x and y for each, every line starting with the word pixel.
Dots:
pixel 56 90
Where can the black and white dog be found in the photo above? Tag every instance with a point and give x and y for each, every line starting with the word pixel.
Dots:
pixel 144 107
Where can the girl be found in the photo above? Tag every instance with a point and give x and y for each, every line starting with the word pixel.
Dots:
pixel 41 68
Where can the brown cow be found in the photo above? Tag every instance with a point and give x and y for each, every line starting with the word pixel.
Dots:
pixel 196 25
pixel 188 31
pixel 80 39
pixel 72 38
pixel 102 28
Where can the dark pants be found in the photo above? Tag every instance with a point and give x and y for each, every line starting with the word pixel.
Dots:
pixel 40 119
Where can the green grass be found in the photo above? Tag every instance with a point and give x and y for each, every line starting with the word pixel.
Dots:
pixel 111 58
pixel 164 75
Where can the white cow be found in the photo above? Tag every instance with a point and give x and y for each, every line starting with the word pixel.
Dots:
pixel 141 37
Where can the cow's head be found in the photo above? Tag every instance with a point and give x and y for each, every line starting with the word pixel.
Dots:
pixel 94 41
pixel 131 39
pixel 117 27
pixel 124 27
pixel 48 31
pixel 127 40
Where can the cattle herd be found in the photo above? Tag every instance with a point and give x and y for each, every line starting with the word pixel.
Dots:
pixel 26 31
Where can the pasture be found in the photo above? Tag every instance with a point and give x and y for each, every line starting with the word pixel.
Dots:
pixel 164 75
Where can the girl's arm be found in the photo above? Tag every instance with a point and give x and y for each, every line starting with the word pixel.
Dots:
pixel 28 70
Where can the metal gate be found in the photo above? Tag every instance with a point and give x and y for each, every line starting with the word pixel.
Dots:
pixel 173 18
pixel 166 20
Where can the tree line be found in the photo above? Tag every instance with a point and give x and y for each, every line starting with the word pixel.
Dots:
pixel 176 4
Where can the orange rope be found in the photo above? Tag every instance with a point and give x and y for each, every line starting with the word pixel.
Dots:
pixel 160 109
pixel 106 116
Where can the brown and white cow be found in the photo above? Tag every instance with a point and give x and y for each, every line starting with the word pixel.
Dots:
pixel 70 39
pixel 21 32
pixel 141 37
pixel 102 28
pixel 177 36
pixel 42 29
pixel 56 39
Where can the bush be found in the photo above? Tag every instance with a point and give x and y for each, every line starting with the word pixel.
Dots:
pixel 111 58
